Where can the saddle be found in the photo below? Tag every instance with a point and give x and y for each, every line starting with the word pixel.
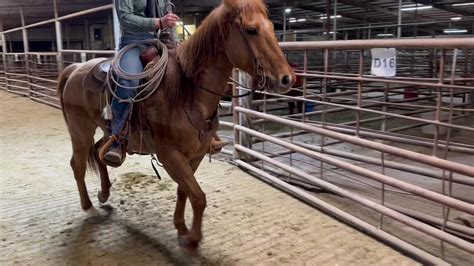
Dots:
pixel 97 69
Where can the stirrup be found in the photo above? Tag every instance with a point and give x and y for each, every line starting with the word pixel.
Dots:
pixel 111 158
pixel 216 146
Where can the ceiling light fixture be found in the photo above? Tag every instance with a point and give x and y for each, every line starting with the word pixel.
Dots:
pixel 288 10
pixel 413 7
pixel 463 4
pixel 385 35
pixel 454 31
pixel 456 18
pixel 332 17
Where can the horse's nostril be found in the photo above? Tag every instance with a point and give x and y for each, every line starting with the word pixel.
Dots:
pixel 286 80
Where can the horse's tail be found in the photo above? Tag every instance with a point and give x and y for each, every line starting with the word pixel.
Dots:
pixel 62 83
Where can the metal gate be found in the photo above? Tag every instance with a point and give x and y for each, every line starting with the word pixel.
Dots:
pixel 397 152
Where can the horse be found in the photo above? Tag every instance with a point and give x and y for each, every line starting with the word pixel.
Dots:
pixel 236 34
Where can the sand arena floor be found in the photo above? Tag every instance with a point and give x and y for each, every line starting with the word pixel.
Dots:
pixel 246 222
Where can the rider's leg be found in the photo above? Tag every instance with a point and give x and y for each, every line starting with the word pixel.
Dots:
pixel 130 63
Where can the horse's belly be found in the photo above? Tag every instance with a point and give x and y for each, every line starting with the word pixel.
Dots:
pixel 141 142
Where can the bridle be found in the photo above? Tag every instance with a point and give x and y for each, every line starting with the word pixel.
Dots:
pixel 261 81
pixel 259 70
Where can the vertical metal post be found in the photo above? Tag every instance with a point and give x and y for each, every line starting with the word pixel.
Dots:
pixel 83 57
pixel 59 38
pixel 328 19
pixel 244 120
pixel 399 29
pixel 66 29
pixel 369 34
pixel 447 209
pixel 335 21
pixel 382 154
pixel 359 90
pixel 86 35
pixel 110 23
pixel 4 54
pixel 284 23
pixel 324 107
pixel 116 28
pixel 182 18
pixel 305 85
pixel 235 114
pixel 26 50
pixel 439 102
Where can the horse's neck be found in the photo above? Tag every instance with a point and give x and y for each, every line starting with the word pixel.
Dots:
pixel 214 78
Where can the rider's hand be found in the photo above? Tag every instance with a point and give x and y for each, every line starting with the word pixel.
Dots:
pixel 168 21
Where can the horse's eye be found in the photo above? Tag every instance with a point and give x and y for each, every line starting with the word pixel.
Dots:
pixel 252 31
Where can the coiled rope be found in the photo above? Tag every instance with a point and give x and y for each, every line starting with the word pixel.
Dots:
pixel 155 72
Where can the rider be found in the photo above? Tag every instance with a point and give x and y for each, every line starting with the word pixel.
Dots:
pixel 139 20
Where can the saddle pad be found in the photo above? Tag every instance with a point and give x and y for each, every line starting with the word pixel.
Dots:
pixel 96 76
pixel 105 66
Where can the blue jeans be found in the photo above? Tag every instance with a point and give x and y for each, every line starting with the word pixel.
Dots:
pixel 130 63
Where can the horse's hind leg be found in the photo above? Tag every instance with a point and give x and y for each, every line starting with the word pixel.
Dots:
pixel 105 184
pixel 82 138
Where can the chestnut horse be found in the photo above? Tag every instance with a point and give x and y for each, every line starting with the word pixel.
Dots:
pixel 237 34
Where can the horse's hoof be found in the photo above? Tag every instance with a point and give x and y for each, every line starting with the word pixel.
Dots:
pixel 93 216
pixel 102 197
pixel 185 242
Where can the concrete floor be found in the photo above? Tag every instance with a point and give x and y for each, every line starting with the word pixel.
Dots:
pixel 246 222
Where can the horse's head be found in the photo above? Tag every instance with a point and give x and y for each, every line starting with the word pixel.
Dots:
pixel 252 46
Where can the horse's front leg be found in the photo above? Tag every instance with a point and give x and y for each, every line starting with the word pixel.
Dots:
pixel 179 222
pixel 181 170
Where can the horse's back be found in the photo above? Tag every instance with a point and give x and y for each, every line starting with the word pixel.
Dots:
pixel 74 92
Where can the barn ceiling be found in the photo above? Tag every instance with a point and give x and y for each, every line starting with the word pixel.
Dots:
pixel 353 12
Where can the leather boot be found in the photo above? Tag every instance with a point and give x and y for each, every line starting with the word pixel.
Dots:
pixel 113 157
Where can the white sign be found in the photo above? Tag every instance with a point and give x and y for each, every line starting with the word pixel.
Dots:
pixel 384 62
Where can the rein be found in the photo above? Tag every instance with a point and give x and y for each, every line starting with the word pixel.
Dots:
pixel 231 96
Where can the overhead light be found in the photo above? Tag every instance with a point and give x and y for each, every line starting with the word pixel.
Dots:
pixel 385 35
pixel 454 31
pixel 332 17
pixel 412 7
pixel 288 10
pixel 331 32
pixel 456 18
pixel 463 4
pixel 294 20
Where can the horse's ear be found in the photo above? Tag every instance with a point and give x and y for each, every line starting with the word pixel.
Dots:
pixel 232 4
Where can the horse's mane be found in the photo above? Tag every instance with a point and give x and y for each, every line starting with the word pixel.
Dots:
pixel 208 41
pixel 204 46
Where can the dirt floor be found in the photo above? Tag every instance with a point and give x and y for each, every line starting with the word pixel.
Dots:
pixel 246 222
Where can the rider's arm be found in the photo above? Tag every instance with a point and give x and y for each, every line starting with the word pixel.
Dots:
pixel 134 19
